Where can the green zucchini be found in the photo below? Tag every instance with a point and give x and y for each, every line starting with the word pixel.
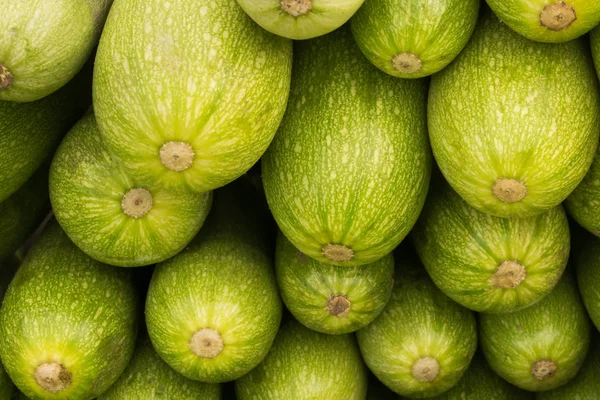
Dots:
pixel 587 266
pixel 189 93
pixel 44 44
pixel 512 122
pixel 111 216
pixel 300 19
pixel 30 132
pixel 8 268
pixel 68 323
pixel 213 310
pixel 486 263
pixel 306 365
pixel 348 171
pixel 551 21
pixel 148 377
pixel 414 38
pixel 331 299
pixel 541 347
pixel 423 342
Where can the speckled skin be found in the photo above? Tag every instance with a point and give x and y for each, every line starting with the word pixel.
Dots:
pixel 148 377
pixel 30 132
pixel 587 265
pixel 222 281
pixel 585 385
pixel 7 270
pixel 557 328
pixel 324 16
pixel 419 321
pixel 45 43
pixel 351 162
pixel 583 204
pixel 511 108
pixel 462 249
pixel 434 30
pixel 306 365
pixel 62 306
pixel 198 71
pixel 87 184
pixel 524 17
pixel 306 285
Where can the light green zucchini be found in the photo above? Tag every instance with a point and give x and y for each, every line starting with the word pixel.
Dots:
pixel 300 19
pixel 189 93
pixel 541 347
pixel 306 365
pixel 213 310
pixel 422 342
pixel 551 21
pixel 44 44
pixel 486 263
pixel 512 122
pixel 8 267
pixel 331 299
pixel 348 171
pixel 414 38
pixel 587 266
pixel 111 216
pixel 68 323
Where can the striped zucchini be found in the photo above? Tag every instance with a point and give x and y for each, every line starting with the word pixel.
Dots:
pixel 541 347
pixel 110 215
pixel 414 38
pixel 306 365
pixel 486 263
pixel 189 93
pixel 348 171
pixel 331 299
pixel 43 44
pixel 513 123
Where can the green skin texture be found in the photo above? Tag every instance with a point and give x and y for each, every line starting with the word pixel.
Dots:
pixel 7 269
pixel 351 162
pixel 87 184
pixel 30 132
pixel 462 248
pixel 587 265
pixel 148 377
pixel 324 17
pixel 64 307
pixel 307 365
pixel 582 204
pixel 222 281
pixel 23 212
pixel 510 108
pixel 419 321
pixel 523 16
pixel 306 285
pixel 481 383
pixel 433 30
pixel 556 328
pixel 585 385
pixel 200 72
pixel 45 43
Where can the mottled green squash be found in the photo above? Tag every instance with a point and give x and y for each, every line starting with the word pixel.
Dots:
pixel 423 342
pixel 348 171
pixel 110 215
pixel 587 266
pixel 43 44
pixel 513 123
pixel 300 19
pixel 306 365
pixel 213 310
pixel 486 263
pixel 541 347
pixel 328 298
pixel 551 21
pixel 8 268
pixel 148 377
pixel 189 93
pixel 414 38
pixel 68 323
pixel 30 132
